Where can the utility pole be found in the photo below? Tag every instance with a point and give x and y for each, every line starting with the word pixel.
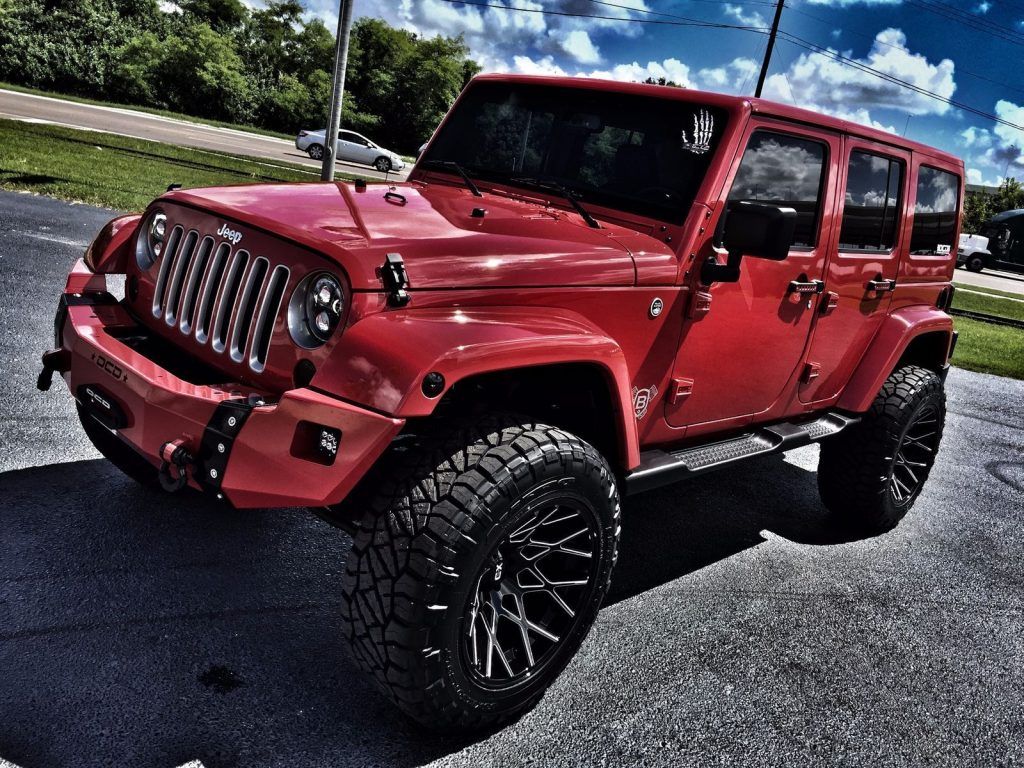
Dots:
pixel 337 89
pixel 771 45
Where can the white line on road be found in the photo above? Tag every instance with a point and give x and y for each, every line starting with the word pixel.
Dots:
pixel 53 239
pixel 990 295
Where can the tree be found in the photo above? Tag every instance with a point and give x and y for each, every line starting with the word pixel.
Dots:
pixel 220 15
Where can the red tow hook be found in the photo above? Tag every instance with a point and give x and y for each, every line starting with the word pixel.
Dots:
pixel 174 462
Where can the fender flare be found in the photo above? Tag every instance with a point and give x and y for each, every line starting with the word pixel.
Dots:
pixel 381 360
pixel 897 332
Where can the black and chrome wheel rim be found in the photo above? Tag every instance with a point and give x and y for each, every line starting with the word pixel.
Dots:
pixel 915 455
pixel 533 587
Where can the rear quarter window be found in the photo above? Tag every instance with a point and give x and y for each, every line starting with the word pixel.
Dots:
pixel 935 212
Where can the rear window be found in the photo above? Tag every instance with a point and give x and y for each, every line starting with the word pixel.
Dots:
pixel 872 203
pixel 787 171
pixel 935 212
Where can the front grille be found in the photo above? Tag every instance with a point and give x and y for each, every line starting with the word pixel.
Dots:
pixel 226 298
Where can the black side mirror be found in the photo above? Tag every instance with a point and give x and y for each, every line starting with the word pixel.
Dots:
pixel 750 229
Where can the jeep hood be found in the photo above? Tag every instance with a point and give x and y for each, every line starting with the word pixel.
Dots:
pixel 447 237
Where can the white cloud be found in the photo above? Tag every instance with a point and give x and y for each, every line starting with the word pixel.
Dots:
pixel 1011 137
pixel 983 7
pixel 505 29
pixel 748 19
pixel 975 176
pixel 635 72
pixel 735 77
pixel 980 138
pixel 822 83
pixel 579 45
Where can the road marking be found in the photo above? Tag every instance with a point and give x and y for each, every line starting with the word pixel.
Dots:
pixel 53 239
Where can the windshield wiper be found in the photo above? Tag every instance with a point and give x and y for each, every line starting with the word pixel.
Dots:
pixel 459 170
pixel 568 194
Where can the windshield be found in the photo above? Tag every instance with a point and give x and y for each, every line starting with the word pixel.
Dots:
pixel 638 154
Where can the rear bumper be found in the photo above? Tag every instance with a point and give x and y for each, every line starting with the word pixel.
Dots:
pixel 253 448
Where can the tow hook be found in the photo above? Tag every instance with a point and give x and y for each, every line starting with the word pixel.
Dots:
pixel 174 463
pixel 56 360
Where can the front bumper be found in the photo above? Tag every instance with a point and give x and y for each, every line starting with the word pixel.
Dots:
pixel 256 449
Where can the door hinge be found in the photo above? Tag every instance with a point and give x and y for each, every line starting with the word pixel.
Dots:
pixel 700 305
pixel 682 388
pixel 829 302
pixel 811 372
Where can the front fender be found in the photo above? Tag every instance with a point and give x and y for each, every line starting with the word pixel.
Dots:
pixel 381 360
pixel 896 334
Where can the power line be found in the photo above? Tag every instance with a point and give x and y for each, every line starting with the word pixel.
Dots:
pixel 859 32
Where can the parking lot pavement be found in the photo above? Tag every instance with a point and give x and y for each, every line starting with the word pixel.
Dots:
pixel 1011 282
pixel 139 629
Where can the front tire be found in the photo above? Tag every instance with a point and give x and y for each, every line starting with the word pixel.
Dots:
pixel 975 264
pixel 481 556
pixel 382 164
pixel 315 151
pixel 871 474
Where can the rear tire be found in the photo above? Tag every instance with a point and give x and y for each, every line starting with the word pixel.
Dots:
pixel 975 264
pixel 315 151
pixel 870 475
pixel 461 532
pixel 117 452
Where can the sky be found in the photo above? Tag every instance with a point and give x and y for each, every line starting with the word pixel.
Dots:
pixel 972 58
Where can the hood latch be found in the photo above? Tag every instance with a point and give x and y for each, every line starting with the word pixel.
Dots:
pixel 392 275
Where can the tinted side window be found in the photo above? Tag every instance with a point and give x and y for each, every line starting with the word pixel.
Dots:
pixel 871 208
pixel 785 170
pixel 935 212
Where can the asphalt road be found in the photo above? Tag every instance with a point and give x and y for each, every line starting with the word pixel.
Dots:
pixel 142 125
pixel 138 629
pixel 1012 282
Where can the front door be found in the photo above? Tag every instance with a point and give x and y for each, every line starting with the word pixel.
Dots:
pixel 741 356
pixel 862 266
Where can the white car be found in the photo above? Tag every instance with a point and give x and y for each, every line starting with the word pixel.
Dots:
pixel 352 147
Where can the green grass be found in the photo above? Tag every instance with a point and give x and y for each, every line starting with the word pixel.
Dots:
pixel 990 305
pixel 992 291
pixel 989 348
pixel 118 172
pixel 148 110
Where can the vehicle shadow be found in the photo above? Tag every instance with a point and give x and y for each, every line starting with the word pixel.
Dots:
pixel 147 629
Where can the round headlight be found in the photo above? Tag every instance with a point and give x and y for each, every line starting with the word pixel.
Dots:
pixel 316 309
pixel 152 244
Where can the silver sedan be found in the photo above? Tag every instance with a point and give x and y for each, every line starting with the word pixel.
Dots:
pixel 352 147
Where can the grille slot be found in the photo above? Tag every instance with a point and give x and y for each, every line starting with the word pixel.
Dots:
pixel 272 299
pixel 192 285
pixel 170 251
pixel 247 308
pixel 178 272
pixel 226 302
pixel 209 291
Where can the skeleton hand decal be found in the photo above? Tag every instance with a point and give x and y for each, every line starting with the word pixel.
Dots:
pixel 703 126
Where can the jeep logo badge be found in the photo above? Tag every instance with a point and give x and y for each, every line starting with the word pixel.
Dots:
pixel 229 234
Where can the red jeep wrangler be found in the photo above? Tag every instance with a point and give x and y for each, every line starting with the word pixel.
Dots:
pixel 585 289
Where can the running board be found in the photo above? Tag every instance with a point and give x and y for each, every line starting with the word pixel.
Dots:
pixel 660 467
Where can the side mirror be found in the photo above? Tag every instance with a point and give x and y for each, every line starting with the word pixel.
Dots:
pixel 750 229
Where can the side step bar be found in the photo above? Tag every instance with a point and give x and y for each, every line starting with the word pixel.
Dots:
pixel 661 467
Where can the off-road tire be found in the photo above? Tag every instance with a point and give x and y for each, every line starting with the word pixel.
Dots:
pixel 117 453
pixel 974 264
pixel 856 467
pixel 315 151
pixel 382 164
pixel 430 516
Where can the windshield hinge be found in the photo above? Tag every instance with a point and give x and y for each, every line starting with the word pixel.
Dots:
pixel 392 275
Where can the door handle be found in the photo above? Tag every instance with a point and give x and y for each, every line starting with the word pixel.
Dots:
pixel 881 285
pixel 803 285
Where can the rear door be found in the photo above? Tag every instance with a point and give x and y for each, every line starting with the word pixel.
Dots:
pixel 739 359
pixel 863 263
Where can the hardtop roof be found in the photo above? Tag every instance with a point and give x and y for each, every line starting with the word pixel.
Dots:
pixel 735 104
